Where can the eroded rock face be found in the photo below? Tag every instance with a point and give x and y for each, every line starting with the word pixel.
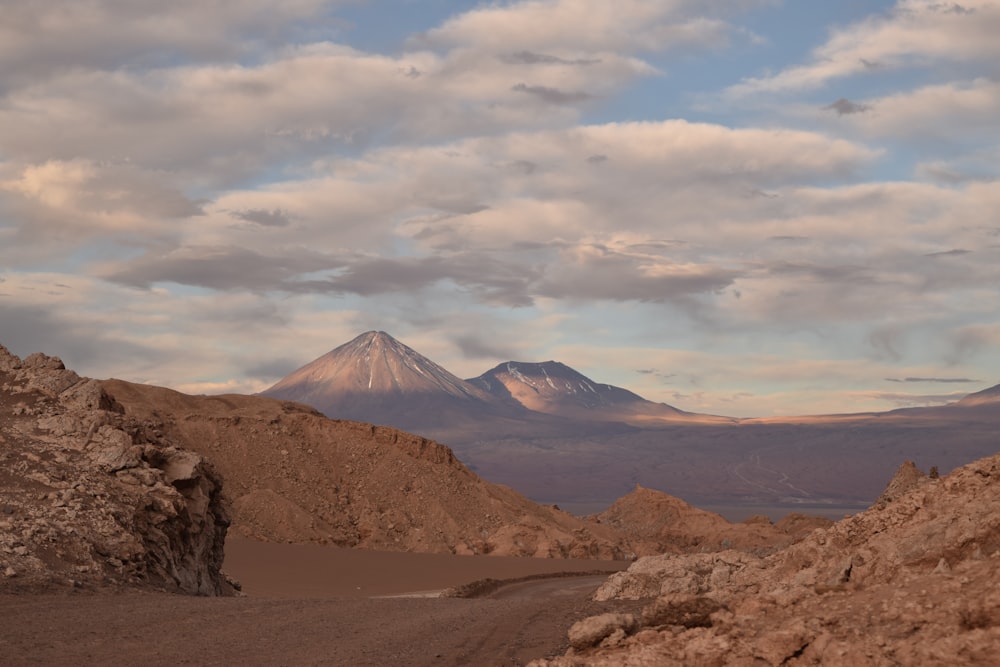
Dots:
pixel 910 581
pixel 90 497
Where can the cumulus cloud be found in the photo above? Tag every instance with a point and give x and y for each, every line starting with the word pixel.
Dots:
pixel 916 33
pixel 588 26
pixel 956 110
pixel 38 39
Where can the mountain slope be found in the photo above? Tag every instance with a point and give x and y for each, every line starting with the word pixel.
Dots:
pixel 555 388
pixel 990 396
pixel 375 378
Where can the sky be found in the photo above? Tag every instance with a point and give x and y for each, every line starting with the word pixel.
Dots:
pixel 739 207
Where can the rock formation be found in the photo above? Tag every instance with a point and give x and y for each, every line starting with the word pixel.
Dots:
pixel 92 497
pixel 910 581
pixel 657 523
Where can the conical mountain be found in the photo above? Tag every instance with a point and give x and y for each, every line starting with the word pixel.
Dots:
pixel 555 388
pixel 375 378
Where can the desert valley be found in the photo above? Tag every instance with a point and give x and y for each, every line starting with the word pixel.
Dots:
pixel 495 333
pixel 142 525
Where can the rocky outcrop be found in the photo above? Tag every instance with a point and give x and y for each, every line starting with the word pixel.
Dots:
pixel 657 523
pixel 910 581
pixel 91 497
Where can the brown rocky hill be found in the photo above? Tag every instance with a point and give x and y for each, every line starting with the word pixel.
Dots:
pixel 295 475
pixel 655 523
pixel 91 497
pixel 911 581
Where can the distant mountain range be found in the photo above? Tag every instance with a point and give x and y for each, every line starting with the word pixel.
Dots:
pixel 375 378
pixel 558 436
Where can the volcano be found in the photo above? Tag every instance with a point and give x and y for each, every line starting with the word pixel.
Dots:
pixel 375 378
pixel 556 389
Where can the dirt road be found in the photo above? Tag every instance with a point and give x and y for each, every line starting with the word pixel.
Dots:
pixel 510 627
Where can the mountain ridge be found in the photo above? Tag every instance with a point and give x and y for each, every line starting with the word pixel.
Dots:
pixel 554 388
pixel 375 378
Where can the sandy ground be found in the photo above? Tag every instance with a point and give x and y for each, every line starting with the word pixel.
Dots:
pixel 314 571
pixel 311 605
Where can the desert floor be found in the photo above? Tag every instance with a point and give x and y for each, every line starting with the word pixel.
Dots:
pixel 312 605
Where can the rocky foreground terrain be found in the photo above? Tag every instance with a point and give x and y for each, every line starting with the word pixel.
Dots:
pixel 91 497
pixel 911 581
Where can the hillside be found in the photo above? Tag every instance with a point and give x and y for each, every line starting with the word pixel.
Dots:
pixel 910 581
pixel 295 475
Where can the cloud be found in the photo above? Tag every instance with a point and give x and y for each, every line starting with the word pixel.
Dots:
pixel 955 111
pixel 971 341
pixel 956 252
pixel 43 39
pixel 266 218
pixel 595 272
pixel 916 33
pixel 272 368
pixel 228 171
pixel 552 95
pixel 477 345
pixel 221 268
pixel 903 400
pixel 845 107
pixel 587 26
pixel 937 380
pixel 530 58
